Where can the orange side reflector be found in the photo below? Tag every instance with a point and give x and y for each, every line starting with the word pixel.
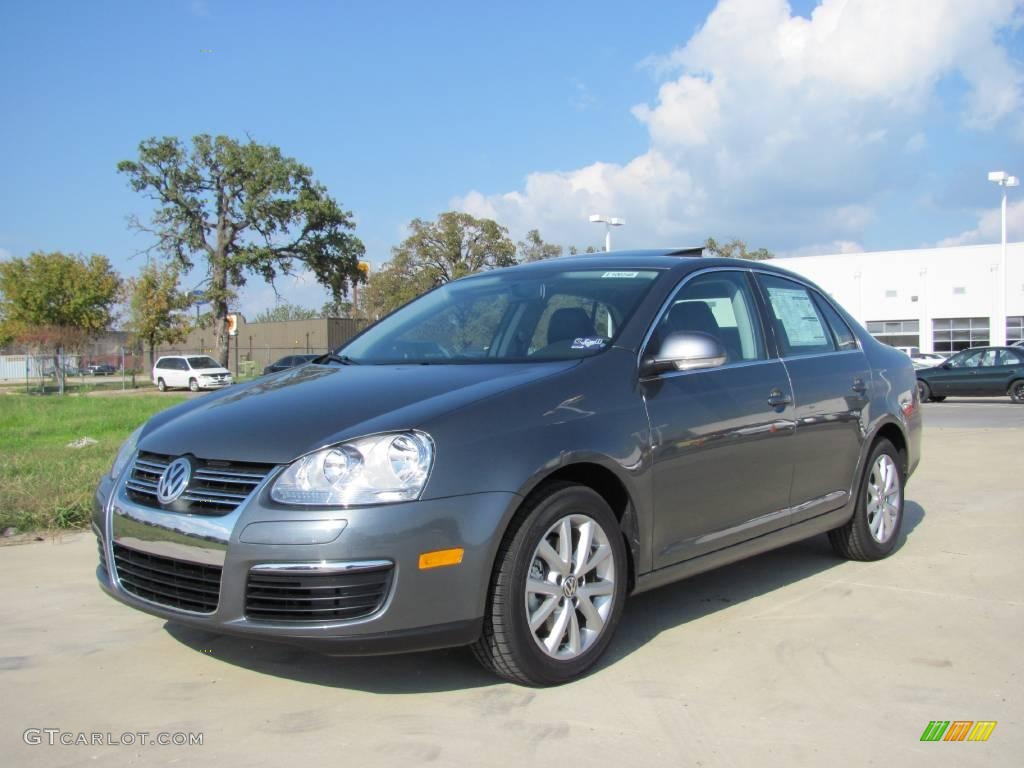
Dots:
pixel 440 558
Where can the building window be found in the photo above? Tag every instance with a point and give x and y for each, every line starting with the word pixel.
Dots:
pixel 896 333
pixel 1014 329
pixel 956 333
pixel 890 294
pixel 959 290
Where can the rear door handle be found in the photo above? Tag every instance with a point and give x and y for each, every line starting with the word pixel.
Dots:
pixel 859 386
pixel 778 398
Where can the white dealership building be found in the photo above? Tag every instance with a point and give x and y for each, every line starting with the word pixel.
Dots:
pixel 936 299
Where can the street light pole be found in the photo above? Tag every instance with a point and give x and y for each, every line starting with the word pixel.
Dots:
pixel 608 224
pixel 1004 180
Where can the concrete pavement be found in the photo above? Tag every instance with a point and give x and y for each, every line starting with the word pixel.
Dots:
pixel 791 658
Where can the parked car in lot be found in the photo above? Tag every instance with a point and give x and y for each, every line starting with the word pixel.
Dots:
pixel 927 359
pixel 193 371
pixel 977 372
pixel 289 361
pixel 502 461
pixel 99 369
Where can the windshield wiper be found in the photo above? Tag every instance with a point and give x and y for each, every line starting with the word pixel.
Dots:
pixel 330 357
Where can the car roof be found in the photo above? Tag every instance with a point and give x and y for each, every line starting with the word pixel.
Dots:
pixel 680 260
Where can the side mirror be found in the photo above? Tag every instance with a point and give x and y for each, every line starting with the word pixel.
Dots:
pixel 946 366
pixel 685 352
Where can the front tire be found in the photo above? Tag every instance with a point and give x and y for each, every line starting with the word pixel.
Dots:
pixel 193 385
pixel 557 591
pixel 874 529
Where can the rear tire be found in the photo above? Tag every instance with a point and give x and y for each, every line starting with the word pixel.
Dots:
pixel 874 529
pixel 161 385
pixel 193 385
pixel 924 392
pixel 562 565
pixel 1017 391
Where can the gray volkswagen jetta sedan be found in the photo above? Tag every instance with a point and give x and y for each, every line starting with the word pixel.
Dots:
pixel 502 461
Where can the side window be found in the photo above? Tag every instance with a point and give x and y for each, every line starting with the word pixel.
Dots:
pixel 840 330
pixel 161 364
pixel 181 364
pixel 799 326
pixel 721 305
pixel 1006 357
pixel 988 358
pixel 966 360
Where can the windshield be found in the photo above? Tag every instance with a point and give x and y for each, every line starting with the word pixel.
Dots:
pixel 507 317
pixel 203 362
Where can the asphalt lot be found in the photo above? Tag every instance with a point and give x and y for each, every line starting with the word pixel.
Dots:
pixel 791 658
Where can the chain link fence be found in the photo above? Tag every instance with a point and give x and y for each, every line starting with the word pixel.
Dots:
pixel 59 372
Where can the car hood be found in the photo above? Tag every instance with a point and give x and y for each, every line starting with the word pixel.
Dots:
pixel 279 417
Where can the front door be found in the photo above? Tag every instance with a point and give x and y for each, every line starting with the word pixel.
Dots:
pixel 721 436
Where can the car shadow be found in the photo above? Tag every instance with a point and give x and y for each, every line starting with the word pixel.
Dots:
pixel 646 616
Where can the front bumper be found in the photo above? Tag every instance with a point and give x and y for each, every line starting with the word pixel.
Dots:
pixel 422 609
pixel 215 383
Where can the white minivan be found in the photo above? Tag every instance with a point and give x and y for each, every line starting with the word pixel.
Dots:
pixel 193 371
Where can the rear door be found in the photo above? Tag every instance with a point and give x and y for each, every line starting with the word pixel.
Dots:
pixel 830 377
pixel 721 448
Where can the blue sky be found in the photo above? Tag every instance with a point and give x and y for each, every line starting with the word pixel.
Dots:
pixel 796 127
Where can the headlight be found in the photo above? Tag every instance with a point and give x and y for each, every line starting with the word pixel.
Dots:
pixel 371 470
pixel 126 452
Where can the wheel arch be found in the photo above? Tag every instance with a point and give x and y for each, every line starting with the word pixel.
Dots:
pixel 607 484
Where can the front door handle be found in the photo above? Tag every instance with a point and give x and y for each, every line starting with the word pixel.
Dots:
pixel 777 398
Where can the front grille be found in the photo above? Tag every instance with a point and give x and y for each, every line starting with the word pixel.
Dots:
pixel 322 597
pixel 175 583
pixel 216 487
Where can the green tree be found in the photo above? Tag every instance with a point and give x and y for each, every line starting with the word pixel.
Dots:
pixel 57 301
pixel 736 249
pixel 157 308
pixel 573 250
pixel 336 308
pixel 437 252
pixel 245 209
pixel 533 248
pixel 286 311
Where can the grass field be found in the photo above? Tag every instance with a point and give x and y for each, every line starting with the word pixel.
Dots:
pixel 43 483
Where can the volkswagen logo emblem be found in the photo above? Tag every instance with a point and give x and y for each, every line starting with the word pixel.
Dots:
pixel 174 480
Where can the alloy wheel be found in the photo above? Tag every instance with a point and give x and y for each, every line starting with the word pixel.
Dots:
pixel 884 498
pixel 570 588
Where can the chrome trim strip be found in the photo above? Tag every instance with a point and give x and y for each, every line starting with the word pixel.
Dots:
pixel 324 566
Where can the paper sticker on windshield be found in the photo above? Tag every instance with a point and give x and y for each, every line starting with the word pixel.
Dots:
pixel 589 342
pixel 620 274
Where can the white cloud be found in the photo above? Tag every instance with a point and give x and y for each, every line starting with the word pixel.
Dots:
pixel 778 128
pixel 988 229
